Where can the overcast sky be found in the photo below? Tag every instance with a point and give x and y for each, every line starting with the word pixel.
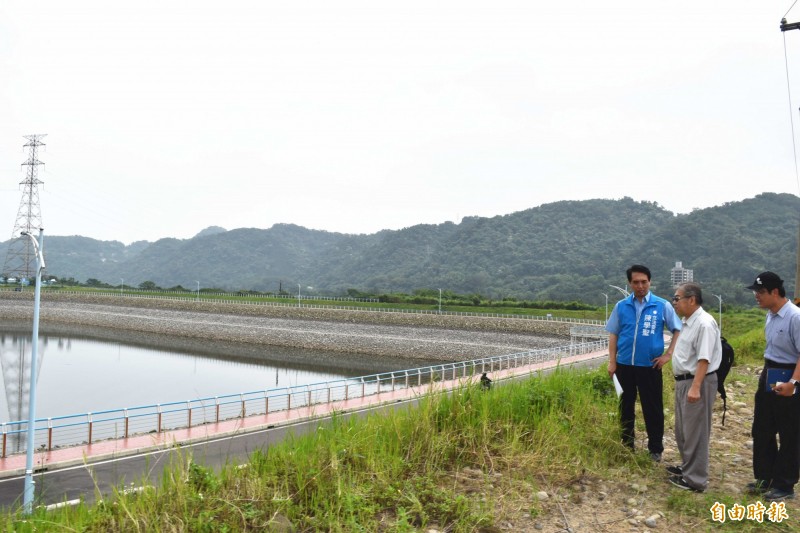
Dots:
pixel 166 117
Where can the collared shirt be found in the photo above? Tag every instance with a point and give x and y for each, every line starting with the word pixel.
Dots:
pixel 671 320
pixel 782 331
pixel 699 339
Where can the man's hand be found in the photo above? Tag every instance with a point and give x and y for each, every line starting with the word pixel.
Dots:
pixel 694 393
pixel 612 368
pixel 659 362
pixel 784 389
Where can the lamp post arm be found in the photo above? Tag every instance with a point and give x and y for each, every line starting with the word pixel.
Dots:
pixel 620 289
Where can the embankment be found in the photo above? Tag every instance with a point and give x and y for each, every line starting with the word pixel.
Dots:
pixel 418 336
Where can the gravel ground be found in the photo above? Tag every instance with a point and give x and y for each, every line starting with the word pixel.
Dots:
pixel 443 343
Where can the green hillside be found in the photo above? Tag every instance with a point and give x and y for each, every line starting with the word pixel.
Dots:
pixel 569 250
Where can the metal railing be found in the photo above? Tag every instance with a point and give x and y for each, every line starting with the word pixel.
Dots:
pixel 87 428
pixel 588 331
pixel 192 294
pixel 213 300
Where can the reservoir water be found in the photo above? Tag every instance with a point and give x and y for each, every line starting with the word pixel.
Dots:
pixel 85 370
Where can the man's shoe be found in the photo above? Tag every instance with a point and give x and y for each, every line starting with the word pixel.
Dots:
pixel 679 482
pixel 776 495
pixel 757 488
pixel 655 456
pixel 675 470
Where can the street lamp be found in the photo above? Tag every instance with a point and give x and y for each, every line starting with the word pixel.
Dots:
pixel 719 297
pixel 440 301
pixel 620 289
pixel 197 298
pixel 606 295
pixel 27 495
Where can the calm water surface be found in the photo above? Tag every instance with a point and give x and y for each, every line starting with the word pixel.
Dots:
pixel 79 374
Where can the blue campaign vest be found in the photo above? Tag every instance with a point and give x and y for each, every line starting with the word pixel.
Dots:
pixel 640 342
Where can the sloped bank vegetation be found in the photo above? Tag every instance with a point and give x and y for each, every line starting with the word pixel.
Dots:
pixel 539 454
pixel 438 466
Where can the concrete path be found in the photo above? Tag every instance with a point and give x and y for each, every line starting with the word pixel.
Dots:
pixel 84 471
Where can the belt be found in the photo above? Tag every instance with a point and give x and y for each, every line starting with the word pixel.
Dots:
pixel 773 364
pixel 690 376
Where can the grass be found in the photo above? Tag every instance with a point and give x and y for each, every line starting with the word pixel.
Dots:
pixel 432 466
pixel 392 472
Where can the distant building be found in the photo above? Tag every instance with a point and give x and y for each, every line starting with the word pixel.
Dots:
pixel 679 275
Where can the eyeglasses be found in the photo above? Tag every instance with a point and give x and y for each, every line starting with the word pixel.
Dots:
pixel 678 298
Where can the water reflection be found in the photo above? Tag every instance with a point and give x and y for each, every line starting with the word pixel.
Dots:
pixel 93 369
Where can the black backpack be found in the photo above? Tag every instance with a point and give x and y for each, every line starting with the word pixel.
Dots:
pixel 722 372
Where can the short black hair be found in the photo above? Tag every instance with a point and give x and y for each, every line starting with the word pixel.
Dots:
pixel 638 268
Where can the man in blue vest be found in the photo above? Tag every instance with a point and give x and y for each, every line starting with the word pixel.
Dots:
pixel 636 354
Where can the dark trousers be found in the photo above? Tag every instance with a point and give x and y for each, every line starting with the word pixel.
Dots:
pixel 648 383
pixel 773 465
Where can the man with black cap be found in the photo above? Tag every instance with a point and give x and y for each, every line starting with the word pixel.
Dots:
pixel 777 404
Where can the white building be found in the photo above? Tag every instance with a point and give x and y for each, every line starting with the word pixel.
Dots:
pixel 679 275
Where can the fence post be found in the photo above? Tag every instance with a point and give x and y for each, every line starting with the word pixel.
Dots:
pixel 189 410
pixel 5 438
pixel 244 408
pixel 89 418
pixel 216 408
pixel 49 434
pixel 309 395
pixel 125 414
pixel 158 409
pixel 266 403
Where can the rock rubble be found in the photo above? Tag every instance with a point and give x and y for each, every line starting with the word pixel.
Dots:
pixel 428 337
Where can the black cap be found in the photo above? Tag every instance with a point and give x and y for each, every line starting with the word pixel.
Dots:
pixel 766 280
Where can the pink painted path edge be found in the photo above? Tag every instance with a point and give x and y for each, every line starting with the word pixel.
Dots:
pixel 14 465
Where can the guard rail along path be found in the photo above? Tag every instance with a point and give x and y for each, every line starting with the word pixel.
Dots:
pixel 88 428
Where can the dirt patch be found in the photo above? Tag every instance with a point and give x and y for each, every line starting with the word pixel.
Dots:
pixel 644 501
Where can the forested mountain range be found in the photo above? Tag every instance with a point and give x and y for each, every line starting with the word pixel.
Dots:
pixel 570 250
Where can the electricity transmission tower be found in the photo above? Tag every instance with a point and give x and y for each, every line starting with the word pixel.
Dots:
pixel 20 256
pixel 21 262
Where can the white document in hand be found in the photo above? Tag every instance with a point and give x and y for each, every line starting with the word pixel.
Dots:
pixel 617 386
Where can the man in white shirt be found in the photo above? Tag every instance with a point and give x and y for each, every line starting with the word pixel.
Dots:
pixel 695 361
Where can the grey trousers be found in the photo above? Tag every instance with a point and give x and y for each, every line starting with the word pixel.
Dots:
pixel 693 429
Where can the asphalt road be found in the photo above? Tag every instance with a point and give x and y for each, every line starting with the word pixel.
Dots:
pixel 95 479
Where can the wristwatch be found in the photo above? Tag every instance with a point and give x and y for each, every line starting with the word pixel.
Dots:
pixel 796 385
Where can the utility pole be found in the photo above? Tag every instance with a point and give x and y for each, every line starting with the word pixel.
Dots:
pixel 797 271
pixel 786 26
pixel 21 256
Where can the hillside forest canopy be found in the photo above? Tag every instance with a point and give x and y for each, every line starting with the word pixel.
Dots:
pixel 560 252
